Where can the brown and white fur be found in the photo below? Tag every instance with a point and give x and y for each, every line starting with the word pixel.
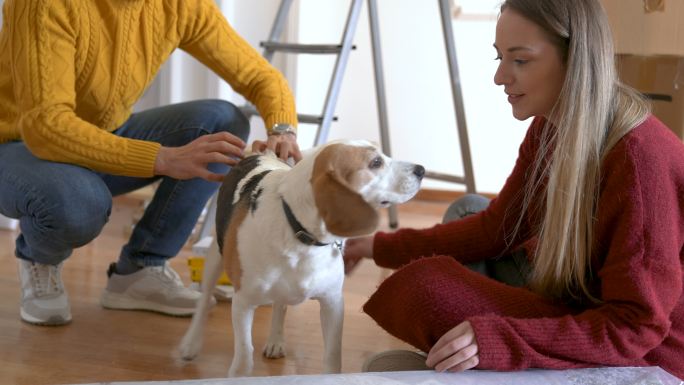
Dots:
pixel 334 193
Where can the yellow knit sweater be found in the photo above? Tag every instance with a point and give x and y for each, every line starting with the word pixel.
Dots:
pixel 71 70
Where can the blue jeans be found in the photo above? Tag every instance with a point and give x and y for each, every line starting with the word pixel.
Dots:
pixel 62 206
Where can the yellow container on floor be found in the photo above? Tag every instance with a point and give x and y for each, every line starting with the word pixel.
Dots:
pixel 196 265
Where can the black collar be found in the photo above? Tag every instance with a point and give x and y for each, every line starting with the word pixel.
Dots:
pixel 300 232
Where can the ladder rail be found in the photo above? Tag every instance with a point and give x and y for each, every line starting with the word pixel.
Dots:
pixel 338 72
pixel 457 95
pixel 277 27
pixel 380 96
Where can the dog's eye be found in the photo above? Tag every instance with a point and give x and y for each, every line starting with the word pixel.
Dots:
pixel 377 162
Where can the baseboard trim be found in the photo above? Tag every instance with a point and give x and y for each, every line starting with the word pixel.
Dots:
pixel 436 195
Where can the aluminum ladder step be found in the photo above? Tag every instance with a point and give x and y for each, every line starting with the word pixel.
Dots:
pixel 250 111
pixel 303 48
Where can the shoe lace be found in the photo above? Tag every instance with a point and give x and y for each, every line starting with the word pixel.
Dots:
pixel 47 279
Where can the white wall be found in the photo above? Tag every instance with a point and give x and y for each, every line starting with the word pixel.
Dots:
pixel 421 116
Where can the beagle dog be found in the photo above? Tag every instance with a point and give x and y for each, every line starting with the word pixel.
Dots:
pixel 280 232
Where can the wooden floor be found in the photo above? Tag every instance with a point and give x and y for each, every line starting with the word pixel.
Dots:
pixel 105 345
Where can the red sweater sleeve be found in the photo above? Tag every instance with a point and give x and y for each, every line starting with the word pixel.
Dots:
pixel 479 236
pixel 638 259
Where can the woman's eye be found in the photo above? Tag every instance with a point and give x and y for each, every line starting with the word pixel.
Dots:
pixel 520 61
pixel 376 162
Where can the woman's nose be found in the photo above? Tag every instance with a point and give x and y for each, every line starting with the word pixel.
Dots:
pixel 501 77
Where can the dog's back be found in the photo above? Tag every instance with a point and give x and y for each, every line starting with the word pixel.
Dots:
pixel 238 196
pixel 240 180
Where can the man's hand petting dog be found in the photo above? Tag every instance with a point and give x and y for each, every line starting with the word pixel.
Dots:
pixel 285 146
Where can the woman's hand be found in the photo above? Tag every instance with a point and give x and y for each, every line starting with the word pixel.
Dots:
pixel 355 249
pixel 191 160
pixel 456 351
pixel 284 145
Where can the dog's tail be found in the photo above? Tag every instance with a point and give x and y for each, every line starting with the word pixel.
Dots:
pixel 191 344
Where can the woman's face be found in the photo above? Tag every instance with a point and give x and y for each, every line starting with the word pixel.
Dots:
pixel 531 68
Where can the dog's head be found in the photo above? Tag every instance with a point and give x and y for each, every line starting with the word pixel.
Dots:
pixel 352 179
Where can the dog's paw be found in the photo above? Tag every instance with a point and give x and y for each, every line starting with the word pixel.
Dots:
pixel 274 350
pixel 241 367
pixel 189 349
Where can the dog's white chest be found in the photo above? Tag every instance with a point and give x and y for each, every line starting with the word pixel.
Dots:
pixel 293 290
pixel 309 277
pixel 292 277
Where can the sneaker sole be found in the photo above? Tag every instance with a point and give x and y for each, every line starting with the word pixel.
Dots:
pixel 395 361
pixel 52 321
pixel 116 301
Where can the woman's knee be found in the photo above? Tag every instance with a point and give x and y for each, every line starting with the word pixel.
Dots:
pixel 416 303
pixel 468 204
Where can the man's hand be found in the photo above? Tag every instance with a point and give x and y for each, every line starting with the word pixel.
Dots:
pixel 455 351
pixel 285 146
pixel 355 249
pixel 191 160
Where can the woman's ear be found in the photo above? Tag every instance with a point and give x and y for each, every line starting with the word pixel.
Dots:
pixel 342 208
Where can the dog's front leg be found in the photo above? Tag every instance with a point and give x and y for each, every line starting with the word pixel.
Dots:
pixel 275 346
pixel 332 318
pixel 243 316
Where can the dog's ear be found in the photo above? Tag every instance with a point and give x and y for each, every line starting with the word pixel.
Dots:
pixel 343 210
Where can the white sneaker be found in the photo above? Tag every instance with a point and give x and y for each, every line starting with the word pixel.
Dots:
pixel 43 298
pixel 153 288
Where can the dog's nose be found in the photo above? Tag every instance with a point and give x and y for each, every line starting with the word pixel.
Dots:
pixel 419 171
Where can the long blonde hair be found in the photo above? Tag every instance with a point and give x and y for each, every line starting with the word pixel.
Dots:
pixel 593 111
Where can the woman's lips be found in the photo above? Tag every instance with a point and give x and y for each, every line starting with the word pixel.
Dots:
pixel 514 98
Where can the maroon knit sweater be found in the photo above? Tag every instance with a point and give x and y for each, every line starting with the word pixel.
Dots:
pixel 638 266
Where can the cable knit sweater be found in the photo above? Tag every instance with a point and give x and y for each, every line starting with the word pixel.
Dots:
pixel 637 263
pixel 71 70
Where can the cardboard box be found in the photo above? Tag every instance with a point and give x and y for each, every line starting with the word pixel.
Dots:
pixel 661 79
pixel 640 32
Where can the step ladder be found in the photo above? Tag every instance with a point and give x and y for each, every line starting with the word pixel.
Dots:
pixel 342 50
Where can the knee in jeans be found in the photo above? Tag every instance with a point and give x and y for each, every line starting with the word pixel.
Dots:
pixel 466 205
pixel 229 118
pixel 80 219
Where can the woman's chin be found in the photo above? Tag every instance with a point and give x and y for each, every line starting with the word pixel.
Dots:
pixel 521 115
